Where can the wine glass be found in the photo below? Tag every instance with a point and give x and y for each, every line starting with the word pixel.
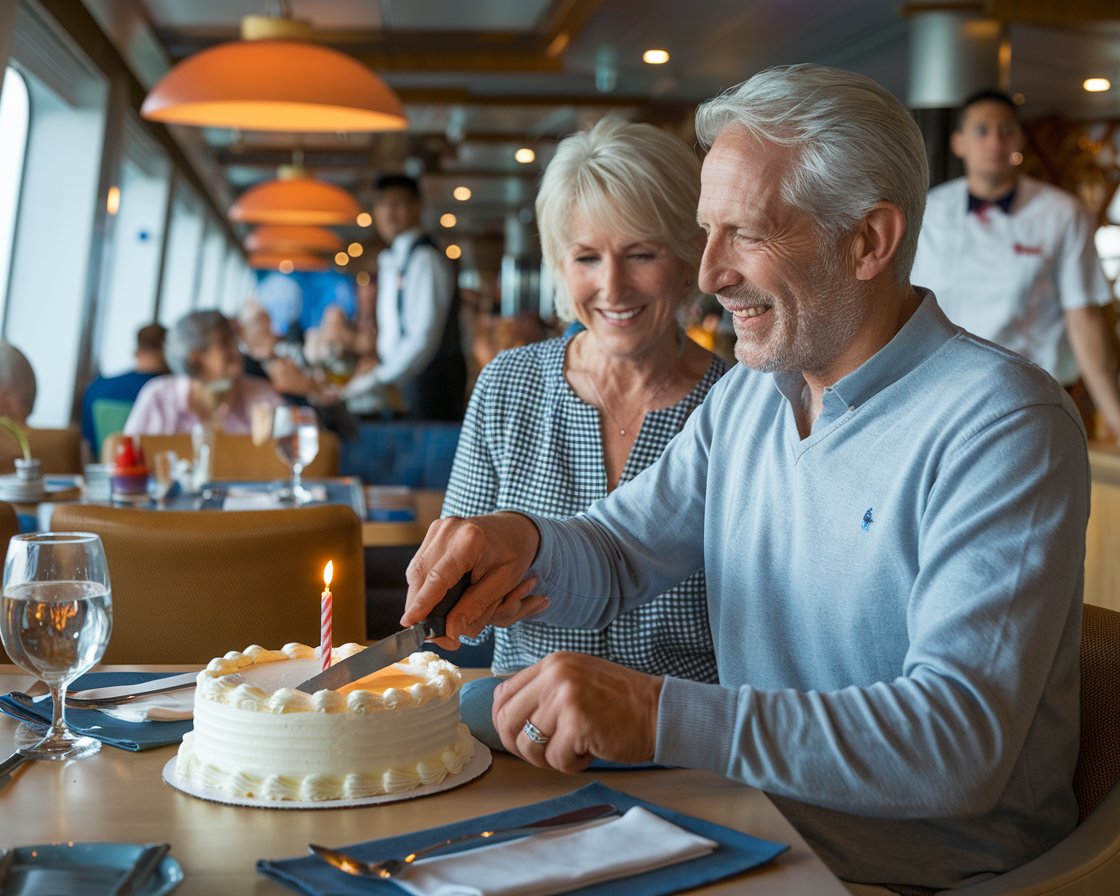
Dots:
pixel 295 433
pixel 55 620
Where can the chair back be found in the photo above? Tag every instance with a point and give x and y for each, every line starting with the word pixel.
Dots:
pixel 108 415
pixel 1098 761
pixel 189 586
pixel 9 526
pixel 58 450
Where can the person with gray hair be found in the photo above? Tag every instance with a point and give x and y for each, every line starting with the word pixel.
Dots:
pixel 555 425
pixel 17 384
pixel 890 511
pixel 205 385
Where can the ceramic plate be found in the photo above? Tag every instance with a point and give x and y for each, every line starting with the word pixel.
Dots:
pixel 83 868
pixel 471 770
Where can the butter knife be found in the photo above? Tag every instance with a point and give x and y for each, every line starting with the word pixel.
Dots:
pixel 123 693
pixel 145 865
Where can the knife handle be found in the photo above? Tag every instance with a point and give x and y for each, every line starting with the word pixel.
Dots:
pixel 435 626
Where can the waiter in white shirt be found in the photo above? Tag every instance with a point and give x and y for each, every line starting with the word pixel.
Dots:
pixel 1012 259
pixel 418 343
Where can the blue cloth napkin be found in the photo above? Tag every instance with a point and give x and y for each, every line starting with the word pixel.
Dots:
pixel 115 732
pixel 476 702
pixel 737 852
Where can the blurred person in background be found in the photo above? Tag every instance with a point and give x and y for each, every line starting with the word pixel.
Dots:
pixel 419 349
pixel 150 363
pixel 17 384
pixel 207 384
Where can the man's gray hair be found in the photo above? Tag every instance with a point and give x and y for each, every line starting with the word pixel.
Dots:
pixel 855 144
pixel 634 179
pixel 191 334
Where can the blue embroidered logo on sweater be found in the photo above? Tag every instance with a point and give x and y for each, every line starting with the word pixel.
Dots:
pixel 867 520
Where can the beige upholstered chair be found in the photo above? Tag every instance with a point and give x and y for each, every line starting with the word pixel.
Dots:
pixel 236 457
pixel 9 526
pixel 59 450
pixel 1087 862
pixel 189 586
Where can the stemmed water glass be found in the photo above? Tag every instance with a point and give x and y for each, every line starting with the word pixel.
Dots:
pixel 295 433
pixel 55 621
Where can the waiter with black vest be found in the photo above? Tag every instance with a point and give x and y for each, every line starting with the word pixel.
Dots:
pixel 418 342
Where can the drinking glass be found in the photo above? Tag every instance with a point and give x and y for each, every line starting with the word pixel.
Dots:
pixel 55 620
pixel 295 433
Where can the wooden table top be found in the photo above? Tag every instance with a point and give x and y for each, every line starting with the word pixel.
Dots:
pixel 120 796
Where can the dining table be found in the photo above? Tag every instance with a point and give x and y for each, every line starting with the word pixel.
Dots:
pixel 120 796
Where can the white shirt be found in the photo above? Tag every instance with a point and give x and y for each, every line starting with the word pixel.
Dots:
pixel 1009 278
pixel 406 344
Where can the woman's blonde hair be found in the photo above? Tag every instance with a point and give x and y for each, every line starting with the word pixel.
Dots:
pixel 632 178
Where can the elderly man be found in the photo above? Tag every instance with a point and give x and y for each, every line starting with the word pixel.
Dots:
pixel 890 513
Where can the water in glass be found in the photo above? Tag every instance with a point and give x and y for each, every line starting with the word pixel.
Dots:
pixel 55 622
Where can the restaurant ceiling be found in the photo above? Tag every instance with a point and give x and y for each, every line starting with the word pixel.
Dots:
pixel 480 79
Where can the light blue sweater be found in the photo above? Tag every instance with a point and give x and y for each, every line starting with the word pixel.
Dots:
pixel 895 601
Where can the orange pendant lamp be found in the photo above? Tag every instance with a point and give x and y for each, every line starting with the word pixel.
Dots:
pixel 295 198
pixel 286 262
pixel 274 79
pixel 292 238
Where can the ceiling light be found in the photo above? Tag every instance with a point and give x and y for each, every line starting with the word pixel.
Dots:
pixel 290 238
pixel 655 57
pixel 362 277
pixel 364 219
pixel 341 258
pixel 1096 85
pixel 462 193
pixel 525 155
pixel 113 201
pixel 274 79
pixel 354 250
pixel 452 251
pixel 295 200
pixel 286 262
pixel 448 220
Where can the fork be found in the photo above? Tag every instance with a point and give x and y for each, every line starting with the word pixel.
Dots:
pixel 393 867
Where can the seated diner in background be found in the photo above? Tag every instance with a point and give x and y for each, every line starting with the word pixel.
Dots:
pixel 553 426
pixel 207 384
pixel 890 511
pixel 18 387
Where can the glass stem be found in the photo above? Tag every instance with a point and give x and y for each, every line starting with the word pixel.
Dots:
pixel 58 711
pixel 297 481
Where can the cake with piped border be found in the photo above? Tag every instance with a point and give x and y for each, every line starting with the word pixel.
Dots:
pixel 255 736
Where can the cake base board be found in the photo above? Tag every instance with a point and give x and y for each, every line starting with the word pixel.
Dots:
pixel 479 763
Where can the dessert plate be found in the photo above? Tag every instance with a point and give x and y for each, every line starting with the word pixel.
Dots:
pixel 478 764
pixel 84 868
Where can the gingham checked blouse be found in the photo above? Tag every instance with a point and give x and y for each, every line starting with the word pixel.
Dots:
pixel 530 443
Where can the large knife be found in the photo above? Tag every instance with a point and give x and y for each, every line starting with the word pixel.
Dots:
pixel 388 650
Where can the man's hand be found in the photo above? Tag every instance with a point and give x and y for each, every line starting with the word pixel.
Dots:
pixel 497 550
pixel 584 706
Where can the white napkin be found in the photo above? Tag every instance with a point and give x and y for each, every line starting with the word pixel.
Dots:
pixel 559 861
pixel 170 707
pixel 250 501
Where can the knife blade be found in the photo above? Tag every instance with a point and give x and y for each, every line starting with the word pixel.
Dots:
pixel 388 650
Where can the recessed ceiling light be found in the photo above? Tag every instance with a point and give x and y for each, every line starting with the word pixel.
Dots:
pixel 354 250
pixel 364 219
pixel 462 193
pixel 655 57
pixel 453 251
pixel 448 220
pixel 341 258
pixel 362 278
pixel 1096 85
pixel 525 155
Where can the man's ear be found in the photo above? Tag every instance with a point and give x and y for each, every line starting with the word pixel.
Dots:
pixel 955 144
pixel 877 239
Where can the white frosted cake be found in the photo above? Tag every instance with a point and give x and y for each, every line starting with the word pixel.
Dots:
pixel 256 736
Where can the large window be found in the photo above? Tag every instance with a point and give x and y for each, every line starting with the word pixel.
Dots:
pixel 14 108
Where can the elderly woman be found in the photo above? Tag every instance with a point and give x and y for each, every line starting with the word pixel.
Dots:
pixel 555 425
pixel 206 383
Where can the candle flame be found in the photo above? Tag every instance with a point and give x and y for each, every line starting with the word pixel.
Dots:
pixel 328 573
